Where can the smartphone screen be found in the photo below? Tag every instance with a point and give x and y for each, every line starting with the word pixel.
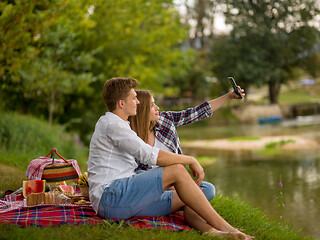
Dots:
pixel 235 86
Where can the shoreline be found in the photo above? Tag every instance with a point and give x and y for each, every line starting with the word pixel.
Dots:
pixel 286 142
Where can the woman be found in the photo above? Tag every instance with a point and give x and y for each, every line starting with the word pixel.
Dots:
pixel 159 128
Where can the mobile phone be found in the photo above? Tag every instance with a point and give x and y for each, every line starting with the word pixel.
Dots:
pixel 235 86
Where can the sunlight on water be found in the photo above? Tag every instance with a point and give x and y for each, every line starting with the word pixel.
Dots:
pixel 256 178
pixel 257 182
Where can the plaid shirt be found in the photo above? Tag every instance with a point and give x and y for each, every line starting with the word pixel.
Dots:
pixel 165 129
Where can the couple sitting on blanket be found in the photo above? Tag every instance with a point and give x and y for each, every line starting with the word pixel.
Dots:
pixel 118 191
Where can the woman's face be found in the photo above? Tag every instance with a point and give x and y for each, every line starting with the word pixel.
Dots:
pixel 154 111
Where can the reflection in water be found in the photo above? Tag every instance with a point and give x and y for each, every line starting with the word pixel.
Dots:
pixel 257 182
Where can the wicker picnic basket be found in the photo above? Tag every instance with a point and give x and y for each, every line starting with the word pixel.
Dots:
pixel 55 173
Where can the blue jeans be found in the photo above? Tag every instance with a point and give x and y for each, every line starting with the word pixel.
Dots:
pixel 141 195
pixel 207 188
pixel 138 195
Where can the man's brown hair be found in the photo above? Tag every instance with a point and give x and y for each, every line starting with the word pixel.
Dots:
pixel 116 89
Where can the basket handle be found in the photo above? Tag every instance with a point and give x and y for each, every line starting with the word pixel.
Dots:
pixel 53 152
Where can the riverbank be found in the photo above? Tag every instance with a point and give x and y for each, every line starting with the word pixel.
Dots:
pixel 255 143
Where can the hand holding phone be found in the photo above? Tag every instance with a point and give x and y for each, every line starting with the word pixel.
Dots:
pixel 235 86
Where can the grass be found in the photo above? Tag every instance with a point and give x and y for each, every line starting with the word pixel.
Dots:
pixel 207 160
pixel 296 93
pixel 234 210
pixel 13 164
pixel 292 97
pixel 274 148
pixel 23 138
pixel 279 143
pixel 106 231
pixel 243 138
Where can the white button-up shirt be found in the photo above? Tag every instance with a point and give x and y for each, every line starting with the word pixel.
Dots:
pixel 113 150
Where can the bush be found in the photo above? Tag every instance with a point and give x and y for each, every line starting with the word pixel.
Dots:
pixel 23 138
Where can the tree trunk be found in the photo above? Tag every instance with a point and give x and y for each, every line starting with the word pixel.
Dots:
pixel 200 25
pixel 274 90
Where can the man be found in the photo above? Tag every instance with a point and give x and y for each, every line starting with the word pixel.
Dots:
pixel 116 191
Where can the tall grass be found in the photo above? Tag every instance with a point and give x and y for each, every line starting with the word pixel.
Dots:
pixel 238 213
pixel 253 221
pixel 23 138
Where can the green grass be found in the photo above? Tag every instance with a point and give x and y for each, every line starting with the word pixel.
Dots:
pixel 279 143
pixel 252 220
pixel 106 231
pixel 207 160
pixel 23 138
pixel 274 148
pixel 243 138
pixel 19 148
pixel 234 210
pixel 298 94
pixel 293 97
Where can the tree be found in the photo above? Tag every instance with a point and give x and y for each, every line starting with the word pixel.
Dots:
pixel 61 67
pixel 51 63
pixel 269 39
pixel 19 25
pixel 56 55
pixel 139 38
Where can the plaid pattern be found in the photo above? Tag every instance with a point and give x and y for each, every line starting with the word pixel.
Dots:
pixel 166 131
pixel 36 166
pixel 53 215
pixel 172 222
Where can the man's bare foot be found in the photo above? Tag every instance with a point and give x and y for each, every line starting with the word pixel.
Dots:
pixel 236 234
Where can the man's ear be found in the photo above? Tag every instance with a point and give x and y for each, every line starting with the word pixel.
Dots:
pixel 121 104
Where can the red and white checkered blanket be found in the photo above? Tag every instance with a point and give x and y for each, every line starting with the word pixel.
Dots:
pixel 36 166
pixel 53 215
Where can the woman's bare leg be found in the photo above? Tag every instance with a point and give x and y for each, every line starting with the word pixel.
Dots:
pixel 197 222
pixel 193 197
pixel 191 217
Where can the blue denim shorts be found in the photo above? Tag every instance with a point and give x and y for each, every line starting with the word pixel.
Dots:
pixel 138 195
pixel 208 189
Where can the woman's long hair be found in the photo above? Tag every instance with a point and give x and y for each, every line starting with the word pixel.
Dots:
pixel 140 123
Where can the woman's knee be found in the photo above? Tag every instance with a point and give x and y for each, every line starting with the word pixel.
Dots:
pixel 208 189
pixel 174 173
pixel 175 169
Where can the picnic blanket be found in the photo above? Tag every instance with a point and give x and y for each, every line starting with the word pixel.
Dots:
pixel 53 215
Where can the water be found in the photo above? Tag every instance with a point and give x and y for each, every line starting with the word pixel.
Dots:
pixel 257 182
pixel 256 179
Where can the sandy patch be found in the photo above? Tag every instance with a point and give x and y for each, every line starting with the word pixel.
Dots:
pixel 295 142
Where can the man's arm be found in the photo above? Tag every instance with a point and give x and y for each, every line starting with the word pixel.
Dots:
pixel 167 158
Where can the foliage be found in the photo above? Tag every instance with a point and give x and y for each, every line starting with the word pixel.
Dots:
pixel 56 55
pixel 55 66
pixel 23 138
pixel 139 39
pixel 267 43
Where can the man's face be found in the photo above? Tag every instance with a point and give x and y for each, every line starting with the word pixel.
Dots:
pixel 130 103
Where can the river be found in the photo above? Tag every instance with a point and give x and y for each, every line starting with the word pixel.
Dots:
pixel 286 187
